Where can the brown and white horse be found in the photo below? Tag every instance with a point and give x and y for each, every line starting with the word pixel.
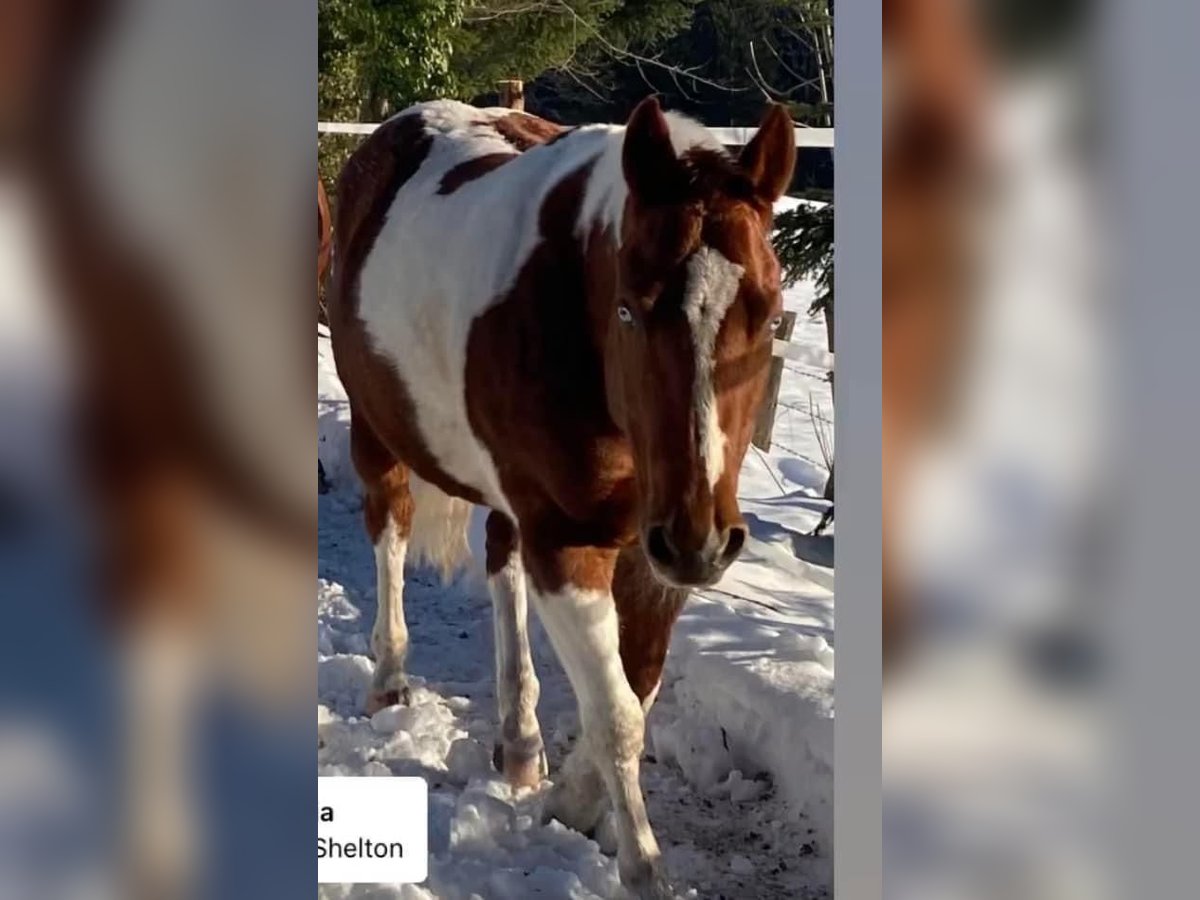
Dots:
pixel 573 328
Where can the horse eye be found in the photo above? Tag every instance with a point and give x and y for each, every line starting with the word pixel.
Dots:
pixel 624 314
pixel 774 324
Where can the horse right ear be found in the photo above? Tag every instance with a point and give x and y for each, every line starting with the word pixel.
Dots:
pixel 648 157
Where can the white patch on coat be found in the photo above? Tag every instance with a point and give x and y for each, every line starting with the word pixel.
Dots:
pixel 389 635
pixel 712 286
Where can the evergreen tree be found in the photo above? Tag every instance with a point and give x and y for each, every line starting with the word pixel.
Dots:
pixel 524 39
pixel 375 57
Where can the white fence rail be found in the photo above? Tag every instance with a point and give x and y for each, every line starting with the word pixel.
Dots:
pixel 731 137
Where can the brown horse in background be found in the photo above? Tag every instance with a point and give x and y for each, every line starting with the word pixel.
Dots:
pixel 324 247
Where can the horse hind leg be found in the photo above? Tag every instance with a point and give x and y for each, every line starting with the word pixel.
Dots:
pixel 388 515
pixel 520 753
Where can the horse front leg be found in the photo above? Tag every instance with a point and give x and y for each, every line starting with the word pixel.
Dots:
pixel 573 597
pixel 646 612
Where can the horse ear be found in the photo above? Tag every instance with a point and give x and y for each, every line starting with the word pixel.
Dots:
pixel 648 158
pixel 770 156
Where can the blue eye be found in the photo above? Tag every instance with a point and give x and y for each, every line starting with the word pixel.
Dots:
pixel 625 314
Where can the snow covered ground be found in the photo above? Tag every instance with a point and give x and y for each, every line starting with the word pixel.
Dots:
pixel 738 770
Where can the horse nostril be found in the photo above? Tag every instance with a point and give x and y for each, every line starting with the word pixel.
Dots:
pixel 735 540
pixel 658 545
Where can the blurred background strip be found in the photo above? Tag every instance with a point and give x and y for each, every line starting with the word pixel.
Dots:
pixel 156 506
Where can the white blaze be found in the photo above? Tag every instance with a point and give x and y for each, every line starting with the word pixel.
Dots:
pixel 712 285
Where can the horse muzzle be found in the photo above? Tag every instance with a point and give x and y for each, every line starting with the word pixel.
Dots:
pixel 686 562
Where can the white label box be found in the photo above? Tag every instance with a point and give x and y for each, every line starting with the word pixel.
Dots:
pixel 372 830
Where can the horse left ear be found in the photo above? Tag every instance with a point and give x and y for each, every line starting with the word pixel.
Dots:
pixel 648 159
pixel 770 156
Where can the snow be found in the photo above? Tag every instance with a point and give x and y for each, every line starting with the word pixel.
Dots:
pixel 738 771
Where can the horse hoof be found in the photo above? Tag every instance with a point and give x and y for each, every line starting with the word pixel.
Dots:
pixel 652 884
pixel 520 769
pixel 382 699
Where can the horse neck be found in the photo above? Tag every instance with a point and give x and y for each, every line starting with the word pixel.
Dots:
pixel 598 229
pixel 600 278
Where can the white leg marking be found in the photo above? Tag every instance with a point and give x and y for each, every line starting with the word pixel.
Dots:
pixel 389 636
pixel 582 625
pixel 162 681
pixel 712 286
pixel 517 687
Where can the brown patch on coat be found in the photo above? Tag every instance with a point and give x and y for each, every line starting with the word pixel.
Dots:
pixel 646 612
pixel 553 566
pixel 385 482
pixel 524 131
pixel 472 169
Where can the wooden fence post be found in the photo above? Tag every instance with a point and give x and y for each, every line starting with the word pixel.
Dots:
pixel 828 492
pixel 766 412
pixel 829 325
pixel 512 93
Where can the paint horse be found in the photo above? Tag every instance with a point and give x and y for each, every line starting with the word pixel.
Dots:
pixel 571 327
